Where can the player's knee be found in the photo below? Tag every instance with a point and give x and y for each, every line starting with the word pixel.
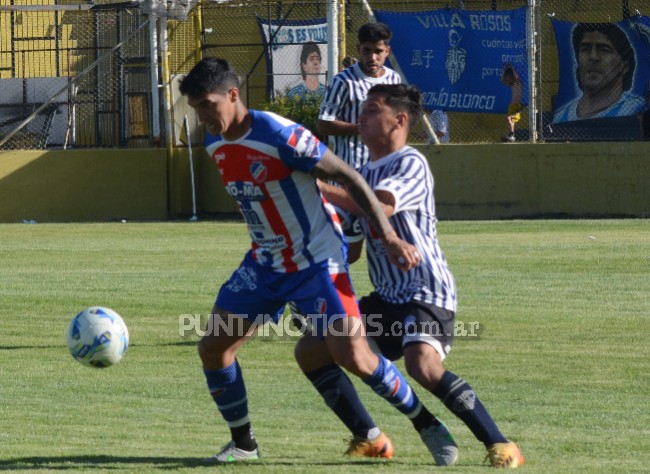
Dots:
pixel 426 371
pixel 302 352
pixel 210 349
pixel 356 362
pixel 311 353
pixel 415 371
pixel 205 352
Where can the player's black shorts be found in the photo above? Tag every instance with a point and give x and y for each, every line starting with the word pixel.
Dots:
pixel 394 326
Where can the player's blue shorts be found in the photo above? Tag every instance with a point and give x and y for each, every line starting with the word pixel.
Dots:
pixel 259 294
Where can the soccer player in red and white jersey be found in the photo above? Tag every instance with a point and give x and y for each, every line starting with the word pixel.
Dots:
pixel 414 311
pixel 269 165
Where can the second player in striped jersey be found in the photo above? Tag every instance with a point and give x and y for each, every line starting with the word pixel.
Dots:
pixel 341 106
pixel 413 311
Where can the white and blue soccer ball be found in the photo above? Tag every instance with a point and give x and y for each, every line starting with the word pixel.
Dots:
pixel 97 337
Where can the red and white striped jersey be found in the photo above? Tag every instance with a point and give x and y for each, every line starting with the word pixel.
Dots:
pixel 266 171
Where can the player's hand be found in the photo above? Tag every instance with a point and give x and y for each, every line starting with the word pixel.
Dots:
pixel 402 254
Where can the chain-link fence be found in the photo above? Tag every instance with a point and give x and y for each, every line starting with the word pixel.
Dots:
pixel 84 75
pixel 75 76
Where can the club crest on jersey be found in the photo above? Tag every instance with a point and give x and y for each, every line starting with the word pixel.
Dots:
pixel 217 157
pixel 320 306
pixel 258 171
pixel 304 143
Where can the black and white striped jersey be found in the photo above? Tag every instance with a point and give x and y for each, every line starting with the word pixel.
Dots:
pixel 343 101
pixel 406 175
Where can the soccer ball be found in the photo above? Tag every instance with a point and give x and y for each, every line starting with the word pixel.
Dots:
pixel 97 337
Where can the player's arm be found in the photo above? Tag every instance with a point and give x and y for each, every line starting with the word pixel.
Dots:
pixel 337 128
pixel 341 198
pixel 331 108
pixel 402 254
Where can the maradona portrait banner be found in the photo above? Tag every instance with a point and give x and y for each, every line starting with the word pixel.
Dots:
pixel 286 42
pixel 604 68
pixel 456 57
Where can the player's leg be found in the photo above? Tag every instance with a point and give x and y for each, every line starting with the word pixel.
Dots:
pixel 330 293
pixel 341 397
pixel 385 328
pixel 346 340
pixel 424 353
pixel 225 334
pixel 227 331
pixel 423 364
pixel 217 350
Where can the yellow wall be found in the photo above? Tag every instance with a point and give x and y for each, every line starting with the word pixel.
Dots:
pixel 541 180
pixel 83 185
pixel 472 182
pixel 504 181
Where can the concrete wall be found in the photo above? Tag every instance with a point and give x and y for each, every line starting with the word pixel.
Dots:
pixel 542 180
pixel 472 182
pixel 83 185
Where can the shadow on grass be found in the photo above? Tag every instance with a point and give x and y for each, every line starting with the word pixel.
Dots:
pixel 100 461
pixel 35 346
pixel 193 342
pixel 61 463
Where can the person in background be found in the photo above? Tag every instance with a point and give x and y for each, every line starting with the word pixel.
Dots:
pixel 310 70
pixel 440 124
pixel 511 79
pixel 342 104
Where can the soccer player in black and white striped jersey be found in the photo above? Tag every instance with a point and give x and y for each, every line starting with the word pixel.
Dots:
pixel 413 311
pixel 341 106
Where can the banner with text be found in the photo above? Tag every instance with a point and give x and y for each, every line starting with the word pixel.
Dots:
pixel 609 62
pixel 457 57
pixel 286 42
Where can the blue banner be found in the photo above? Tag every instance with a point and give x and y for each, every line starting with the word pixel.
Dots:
pixel 288 44
pixel 604 68
pixel 457 57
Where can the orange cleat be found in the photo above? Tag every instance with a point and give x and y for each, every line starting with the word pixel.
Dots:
pixel 379 447
pixel 505 455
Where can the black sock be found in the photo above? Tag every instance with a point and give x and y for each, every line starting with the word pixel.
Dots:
pixel 459 397
pixel 243 437
pixel 424 419
pixel 340 395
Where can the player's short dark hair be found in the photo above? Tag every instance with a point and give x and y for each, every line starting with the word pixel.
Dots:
pixel 209 75
pixel 349 61
pixel 374 33
pixel 402 97
pixel 308 48
pixel 619 40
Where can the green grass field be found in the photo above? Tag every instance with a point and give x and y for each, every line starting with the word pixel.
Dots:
pixel 562 360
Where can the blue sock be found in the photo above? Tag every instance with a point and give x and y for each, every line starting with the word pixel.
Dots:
pixel 459 397
pixel 388 382
pixel 340 395
pixel 229 393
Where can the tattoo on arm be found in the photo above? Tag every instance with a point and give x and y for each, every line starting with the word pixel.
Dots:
pixel 333 168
